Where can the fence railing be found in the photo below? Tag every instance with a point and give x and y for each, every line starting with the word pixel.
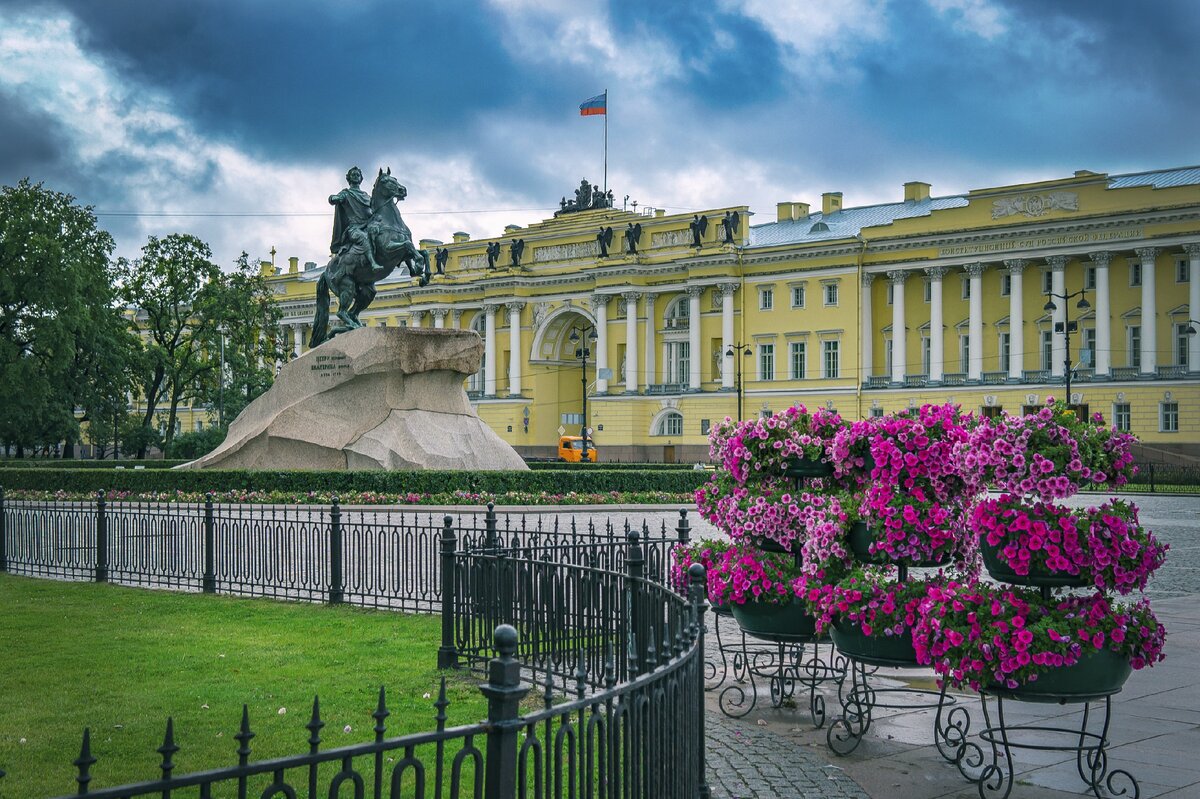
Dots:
pixel 584 615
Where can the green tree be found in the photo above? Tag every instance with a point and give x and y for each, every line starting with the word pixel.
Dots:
pixel 63 343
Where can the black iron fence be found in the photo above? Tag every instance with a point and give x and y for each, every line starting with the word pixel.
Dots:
pixel 583 615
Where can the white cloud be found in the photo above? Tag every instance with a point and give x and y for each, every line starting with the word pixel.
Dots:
pixel 980 17
pixel 817 38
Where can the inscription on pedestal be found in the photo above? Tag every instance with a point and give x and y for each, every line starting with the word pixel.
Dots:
pixel 331 367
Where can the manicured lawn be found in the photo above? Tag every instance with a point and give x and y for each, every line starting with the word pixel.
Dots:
pixel 121 660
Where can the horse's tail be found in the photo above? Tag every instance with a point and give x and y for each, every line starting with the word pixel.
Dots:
pixel 320 328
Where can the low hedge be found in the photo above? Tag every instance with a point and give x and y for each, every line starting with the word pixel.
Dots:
pixel 90 463
pixel 556 481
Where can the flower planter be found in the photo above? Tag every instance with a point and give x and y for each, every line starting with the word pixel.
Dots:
pixel 895 650
pixel 860 537
pixel 769 544
pixel 1038 575
pixel 803 467
pixel 773 620
pixel 1099 673
pixel 722 610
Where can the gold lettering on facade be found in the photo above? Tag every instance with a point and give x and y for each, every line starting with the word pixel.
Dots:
pixel 1042 242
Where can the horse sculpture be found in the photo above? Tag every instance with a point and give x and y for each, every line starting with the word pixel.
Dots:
pixel 374 251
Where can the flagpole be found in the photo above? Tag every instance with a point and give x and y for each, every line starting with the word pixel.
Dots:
pixel 606 145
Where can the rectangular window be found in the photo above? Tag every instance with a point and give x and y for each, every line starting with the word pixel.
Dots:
pixel 1047 281
pixel 877 413
pixel 766 361
pixel 1005 351
pixel 1089 278
pixel 966 287
pixel 1087 356
pixel 829 359
pixel 1135 346
pixel 831 294
pixel 964 353
pixel 928 290
pixel 1135 272
pixel 1047 349
pixel 1005 285
pixel 1121 416
pixel 1183 270
pixel 797 358
pixel 683 362
pixel 925 350
pixel 891 292
pixel 887 356
pixel 766 299
pixel 1181 344
pixel 1168 417
pixel 797 296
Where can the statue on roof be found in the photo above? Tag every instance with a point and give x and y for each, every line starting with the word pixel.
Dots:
pixel 587 197
pixel 729 226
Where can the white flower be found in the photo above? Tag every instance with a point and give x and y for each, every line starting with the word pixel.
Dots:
pixel 346 728
pixel 282 711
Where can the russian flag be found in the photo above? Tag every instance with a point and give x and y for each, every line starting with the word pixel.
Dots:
pixel 594 105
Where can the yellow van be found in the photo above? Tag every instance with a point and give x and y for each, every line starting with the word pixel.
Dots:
pixel 570 449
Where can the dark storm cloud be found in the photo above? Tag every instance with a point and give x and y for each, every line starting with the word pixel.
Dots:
pixel 32 144
pixel 304 79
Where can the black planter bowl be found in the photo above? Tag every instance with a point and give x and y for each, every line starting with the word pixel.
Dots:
pixel 1038 576
pixel 860 537
pixel 1099 673
pixel 896 650
pixel 774 622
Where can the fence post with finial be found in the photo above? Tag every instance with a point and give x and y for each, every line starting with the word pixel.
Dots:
pixel 447 654
pixel 210 558
pixel 635 570
pixel 504 691
pixel 3 536
pixel 699 597
pixel 336 584
pixel 101 539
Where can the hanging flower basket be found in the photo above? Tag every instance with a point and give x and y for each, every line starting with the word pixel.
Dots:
pixel 1038 575
pixel 769 619
pixel 804 467
pixel 889 650
pixel 860 537
pixel 1099 673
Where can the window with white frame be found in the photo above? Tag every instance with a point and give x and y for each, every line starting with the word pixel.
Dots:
pixel 1005 350
pixel 877 413
pixel 830 359
pixel 1181 344
pixel 766 299
pixel 1087 356
pixel 1121 416
pixel 1089 278
pixel 679 357
pixel 1047 349
pixel 797 360
pixel 966 287
pixel 928 290
pixel 766 361
pixel 831 293
pixel 1005 285
pixel 1047 281
pixel 669 424
pixel 887 356
pixel 679 314
pixel 798 296
pixel 1168 417
pixel 1134 343
pixel 925 351
pixel 964 353
pixel 1183 270
pixel 1135 272
pixel 891 293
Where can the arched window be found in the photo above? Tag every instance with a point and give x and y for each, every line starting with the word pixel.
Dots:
pixel 669 423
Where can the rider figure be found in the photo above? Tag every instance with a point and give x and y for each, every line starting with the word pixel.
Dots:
pixel 352 208
pixel 358 249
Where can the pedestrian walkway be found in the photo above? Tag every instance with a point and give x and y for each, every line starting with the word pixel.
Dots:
pixel 1155 735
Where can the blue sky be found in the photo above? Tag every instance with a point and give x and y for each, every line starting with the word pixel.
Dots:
pixel 162 114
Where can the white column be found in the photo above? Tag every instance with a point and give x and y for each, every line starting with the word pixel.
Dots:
pixel 631 353
pixel 650 320
pixel 489 351
pixel 1016 320
pixel 455 319
pixel 975 321
pixel 600 307
pixel 899 333
pixel 937 333
pixel 514 348
pixel 1193 253
pixel 1149 311
pixel 866 338
pixel 415 317
pixel 727 290
pixel 694 293
pixel 297 340
pixel 439 318
pixel 1103 355
pixel 1058 340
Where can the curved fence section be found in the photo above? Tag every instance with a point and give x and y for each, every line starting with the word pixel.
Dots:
pixel 580 617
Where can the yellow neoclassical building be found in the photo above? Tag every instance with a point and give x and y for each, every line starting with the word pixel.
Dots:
pixel 974 298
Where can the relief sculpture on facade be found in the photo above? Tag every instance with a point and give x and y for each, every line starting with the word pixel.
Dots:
pixel 1034 205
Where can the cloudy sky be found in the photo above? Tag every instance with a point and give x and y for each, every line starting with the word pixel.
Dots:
pixel 235 119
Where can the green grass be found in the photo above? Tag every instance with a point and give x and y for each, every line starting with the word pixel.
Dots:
pixel 121 660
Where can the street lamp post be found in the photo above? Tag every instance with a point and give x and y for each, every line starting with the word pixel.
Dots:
pixel 1067 328
pixel 744 350
pixel 221 383
pixel 582 352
